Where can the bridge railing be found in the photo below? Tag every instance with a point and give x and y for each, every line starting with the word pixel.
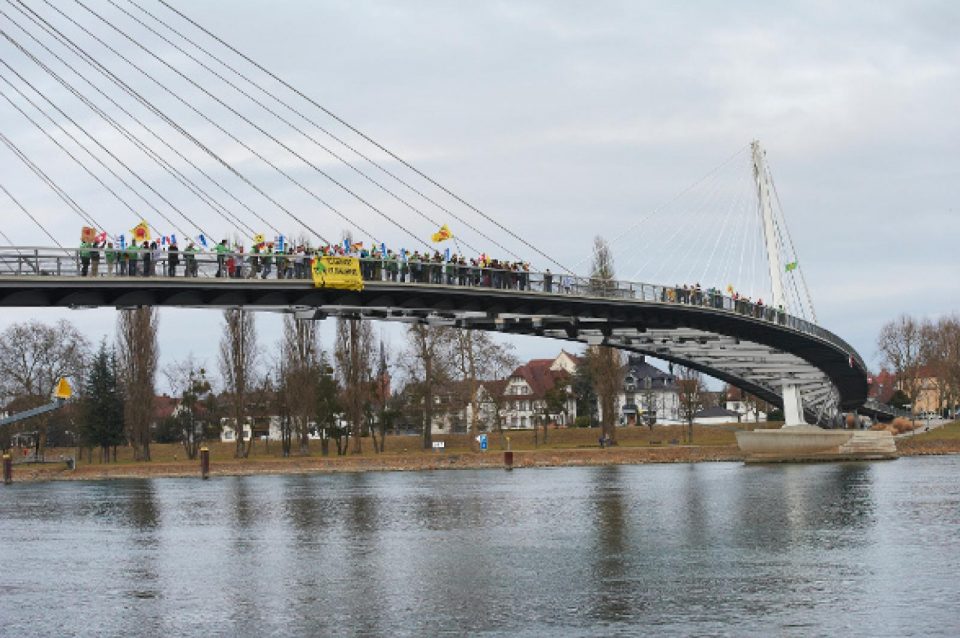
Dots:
pixel 31 261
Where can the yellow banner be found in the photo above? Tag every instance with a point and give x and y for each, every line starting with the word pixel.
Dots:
pixel 337 272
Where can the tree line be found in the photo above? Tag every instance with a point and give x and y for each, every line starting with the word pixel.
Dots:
pixel 923 355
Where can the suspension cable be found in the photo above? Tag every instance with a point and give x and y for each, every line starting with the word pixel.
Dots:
pixel 80 144
pixel 119 128
pixel 103 70
pixel 296 128
pixel 189 184
pixel 69 201
pixel 315 124
pixel 366 137
pixel 27 213
pixel 254 125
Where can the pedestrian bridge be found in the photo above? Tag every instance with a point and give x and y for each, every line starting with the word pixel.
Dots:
pixel 753 347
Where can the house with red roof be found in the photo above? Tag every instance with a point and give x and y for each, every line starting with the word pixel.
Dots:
pixel 525 395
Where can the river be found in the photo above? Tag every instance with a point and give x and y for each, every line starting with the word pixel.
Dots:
pixel 854 549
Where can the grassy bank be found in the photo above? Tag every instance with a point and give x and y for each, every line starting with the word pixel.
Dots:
pixel 574 446
pixel 942 440
pixel 564 447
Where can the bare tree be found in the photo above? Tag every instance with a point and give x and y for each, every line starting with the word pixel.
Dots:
pixel 300 355
pixel 606 370
pixel 690 391
pixel 940 345
pixel 354 356
pixel 138 353
pixel 33 357
pixel 479 358
pixel 605 364
pixel 385 413
pixel 901 346
pixel 428 365
pixel 238 355
pixel 188 381
pixel 602 274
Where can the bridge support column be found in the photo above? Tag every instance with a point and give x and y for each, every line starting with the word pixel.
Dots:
pixel 792 406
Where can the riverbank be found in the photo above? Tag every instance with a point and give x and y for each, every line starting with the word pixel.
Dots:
pixel 382 463
pixel 575 447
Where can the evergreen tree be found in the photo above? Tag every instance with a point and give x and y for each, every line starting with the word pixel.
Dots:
pixel 102 407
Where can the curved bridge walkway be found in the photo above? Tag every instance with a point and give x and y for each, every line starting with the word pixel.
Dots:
pixel 757 348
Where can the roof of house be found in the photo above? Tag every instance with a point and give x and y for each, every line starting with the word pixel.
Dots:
pixel 639 369
pixel 164 406
pixel 539 377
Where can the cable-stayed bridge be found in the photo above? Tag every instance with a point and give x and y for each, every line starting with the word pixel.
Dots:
pixel 120 111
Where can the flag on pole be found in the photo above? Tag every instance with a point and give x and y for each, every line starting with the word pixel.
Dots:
pixel 442 235
pixel 280 243
pixel 140 232
pixel 346 245
pixel 123 241
pixel 173 239
pixel 203 241
pixel 790 267
pixel 259 239
pixel 446 254
pixel 383 248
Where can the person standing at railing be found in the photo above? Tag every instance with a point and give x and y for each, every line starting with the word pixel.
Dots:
pixel 84 258
pixel 133 255
pixel 147 257
pixel 123 258
pixel 190 260
pixel 111 256
pixel 266 261
pixel 547 281
pixel 254 261
pixel 155 257
pixel 94 259
pixel 299 262
pixel 284 269
pixel 221 250
pixel 173 259
pixel 393 266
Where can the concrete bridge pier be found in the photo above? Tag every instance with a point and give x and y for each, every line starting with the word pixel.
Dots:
pixel 798 441
pixel 792 405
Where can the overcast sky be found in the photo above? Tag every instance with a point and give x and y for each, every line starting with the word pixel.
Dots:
pixel 564 120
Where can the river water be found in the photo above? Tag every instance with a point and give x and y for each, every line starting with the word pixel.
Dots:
pixel 856 549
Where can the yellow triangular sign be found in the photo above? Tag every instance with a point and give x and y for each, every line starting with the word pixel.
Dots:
pixel 63 391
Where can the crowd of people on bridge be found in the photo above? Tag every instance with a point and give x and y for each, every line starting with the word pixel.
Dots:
pixel 267 260
pixel 280 260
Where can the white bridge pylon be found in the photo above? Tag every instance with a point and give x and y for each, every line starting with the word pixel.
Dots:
pixel 791 391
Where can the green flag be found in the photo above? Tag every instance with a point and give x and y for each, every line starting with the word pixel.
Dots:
pixel 791 266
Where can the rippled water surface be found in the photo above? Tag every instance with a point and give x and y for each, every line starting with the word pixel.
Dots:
pixel 705 549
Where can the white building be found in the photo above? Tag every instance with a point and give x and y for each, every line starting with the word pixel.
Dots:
pixel 264 428
pixel 649 394
pixel 525 397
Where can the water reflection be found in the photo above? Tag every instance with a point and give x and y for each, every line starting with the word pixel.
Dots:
pixel 710 549
pixel 614 590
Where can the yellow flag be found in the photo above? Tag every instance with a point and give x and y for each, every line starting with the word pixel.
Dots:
pixel 140 232
pixel 337 272
pixel 259 238
pixel 63 389
pixel 442 235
